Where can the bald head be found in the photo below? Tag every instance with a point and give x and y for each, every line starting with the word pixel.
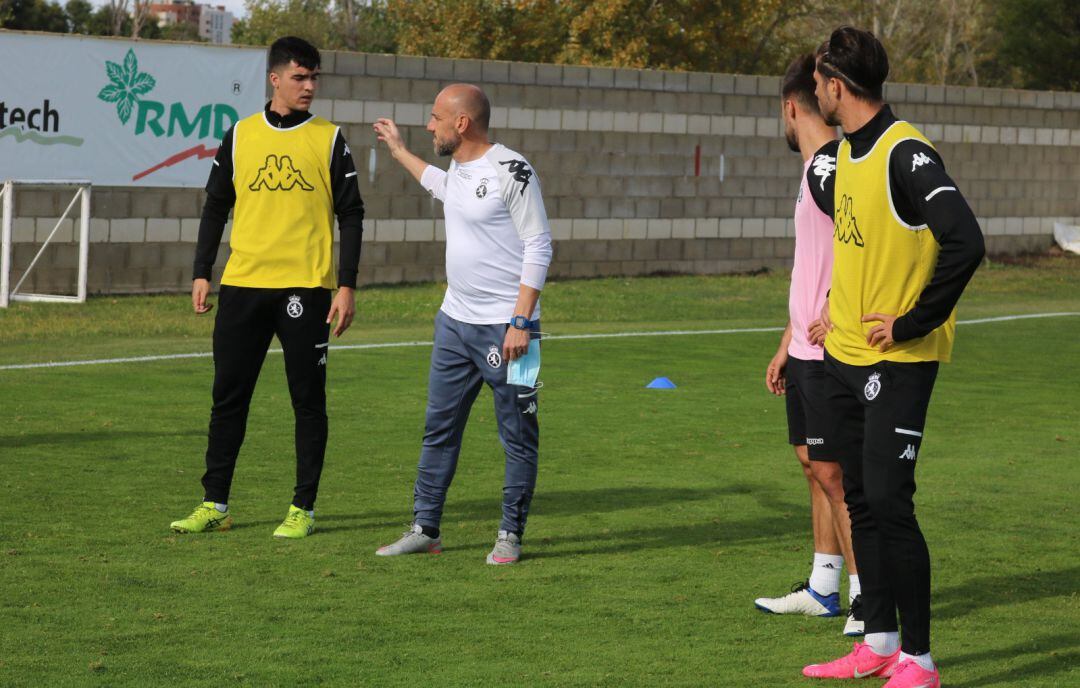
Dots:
pixel 466 99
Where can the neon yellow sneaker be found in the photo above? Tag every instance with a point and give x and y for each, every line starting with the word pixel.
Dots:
pixel 297 524
pixel 205 518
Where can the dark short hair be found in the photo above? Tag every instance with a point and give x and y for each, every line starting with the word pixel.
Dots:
pixel 857 58
pixel 292 49
pixel 799 83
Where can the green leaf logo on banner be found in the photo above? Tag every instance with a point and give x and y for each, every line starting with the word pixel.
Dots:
pixel 125 86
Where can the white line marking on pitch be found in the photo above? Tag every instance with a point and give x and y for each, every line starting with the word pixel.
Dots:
pixel 398 345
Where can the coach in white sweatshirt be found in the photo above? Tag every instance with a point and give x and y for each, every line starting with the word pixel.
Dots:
pixel 498 248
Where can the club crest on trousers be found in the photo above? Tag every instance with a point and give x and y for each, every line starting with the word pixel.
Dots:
pixel 873 386
pixel 494 358
pixel 294 308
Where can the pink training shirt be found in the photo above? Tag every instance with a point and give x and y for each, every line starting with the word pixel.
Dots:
pixel 812 272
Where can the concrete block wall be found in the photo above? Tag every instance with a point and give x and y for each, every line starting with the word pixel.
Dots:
pixel 615 151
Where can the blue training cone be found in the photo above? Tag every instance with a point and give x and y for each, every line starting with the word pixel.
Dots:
pixel 660 383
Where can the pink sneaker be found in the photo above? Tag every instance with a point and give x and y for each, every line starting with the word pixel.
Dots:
pixel 909 674
pixel 861 663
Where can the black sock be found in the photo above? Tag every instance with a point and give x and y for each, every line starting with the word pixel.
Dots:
pixel 430 532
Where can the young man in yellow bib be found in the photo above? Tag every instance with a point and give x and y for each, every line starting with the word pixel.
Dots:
pixel 285 174
pixel 905 244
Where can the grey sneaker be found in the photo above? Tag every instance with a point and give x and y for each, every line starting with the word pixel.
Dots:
pixel 412 541
pixel 507 549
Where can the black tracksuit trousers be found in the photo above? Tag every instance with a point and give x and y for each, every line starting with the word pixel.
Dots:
pixel 875 418
pixel 247 320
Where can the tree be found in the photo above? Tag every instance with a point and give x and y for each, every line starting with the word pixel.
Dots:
pixel 182 31
pixel 79 15
pixel 1040 42
pixel 268 20
pixel 944 42
pixel 139 15
pixel 906 29
pixel 733 36
pixel 362 27
pixel 617 33
pixel 1018 43
pixel 118 13
pixel 736 35
pixel 520 30
pixel 467 28
pixel 33 15
pixel 538 31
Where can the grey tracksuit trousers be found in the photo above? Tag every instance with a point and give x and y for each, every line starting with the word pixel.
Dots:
pixel 464 357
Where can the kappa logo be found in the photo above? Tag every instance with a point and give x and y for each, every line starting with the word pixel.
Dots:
pixel 494 358
pixel 824 165
pixel 321 361
pixel 279 174
pixel 294 308
pixel 846 227
pixel 530 409
pixel 920 159
pixel 873 387
pixel 521 172
pixel 908 453
pixel 481 190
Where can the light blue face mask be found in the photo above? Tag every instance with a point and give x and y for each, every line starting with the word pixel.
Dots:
pixel 524 369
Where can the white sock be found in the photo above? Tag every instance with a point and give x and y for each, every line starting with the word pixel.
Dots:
pixel 884 644
pixel 854 588
pixel 223 508
pixel 825 576
pixel 922 660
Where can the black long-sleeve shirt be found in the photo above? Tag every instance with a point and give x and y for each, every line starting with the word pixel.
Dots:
pixel 221 197
pixel 923 194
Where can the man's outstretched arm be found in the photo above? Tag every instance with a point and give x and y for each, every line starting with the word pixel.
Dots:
pixel 387 132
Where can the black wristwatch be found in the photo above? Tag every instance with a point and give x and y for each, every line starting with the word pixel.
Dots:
pixel 520 322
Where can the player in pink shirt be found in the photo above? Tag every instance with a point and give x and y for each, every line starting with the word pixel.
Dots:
pixel 797 370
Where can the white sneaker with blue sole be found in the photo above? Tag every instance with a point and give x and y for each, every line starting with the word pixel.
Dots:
pixel 801 600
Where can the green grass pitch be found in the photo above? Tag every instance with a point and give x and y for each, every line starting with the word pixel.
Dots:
pixel 659 515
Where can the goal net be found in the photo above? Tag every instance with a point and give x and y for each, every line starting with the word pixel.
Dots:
pixel 44 240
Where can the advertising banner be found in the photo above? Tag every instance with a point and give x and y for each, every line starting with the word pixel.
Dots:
pixel 120 113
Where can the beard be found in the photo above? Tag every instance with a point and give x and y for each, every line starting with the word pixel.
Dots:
pixel 831 117
pixel 446 148
pixel 792 140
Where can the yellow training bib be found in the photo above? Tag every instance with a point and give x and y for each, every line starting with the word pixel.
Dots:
pixel 283 221
pixel 880 264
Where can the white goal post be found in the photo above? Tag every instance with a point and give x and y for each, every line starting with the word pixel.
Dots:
pixel 82 195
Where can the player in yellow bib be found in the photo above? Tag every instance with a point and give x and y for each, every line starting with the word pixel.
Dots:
pixel 285 174
pixel 905 245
